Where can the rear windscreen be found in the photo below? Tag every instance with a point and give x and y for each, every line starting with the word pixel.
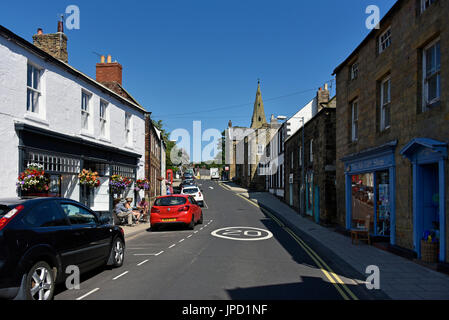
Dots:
pixel 190 191
pixel 4 210
pixel 170 201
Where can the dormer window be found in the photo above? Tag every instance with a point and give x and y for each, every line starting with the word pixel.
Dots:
pixel 354 71
pixel 426 4
pixel 385 40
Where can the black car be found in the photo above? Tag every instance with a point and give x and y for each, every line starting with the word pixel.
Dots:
pixel 40 238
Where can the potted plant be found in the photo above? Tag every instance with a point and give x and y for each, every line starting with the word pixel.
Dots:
pixel 429 247
pixel 33 180
pixel 119 184
pixel 142 184
pixel 89 179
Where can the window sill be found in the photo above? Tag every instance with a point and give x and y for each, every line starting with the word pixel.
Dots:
pixel 87 134
pixel 102 139
pixel 35 118
pixel 129 147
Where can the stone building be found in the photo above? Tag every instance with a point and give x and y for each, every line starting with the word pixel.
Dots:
pixel 245 148
pixel 310 161
pixel 153 158
pixel 392 128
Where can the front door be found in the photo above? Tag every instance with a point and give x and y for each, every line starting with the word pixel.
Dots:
pixel 429 216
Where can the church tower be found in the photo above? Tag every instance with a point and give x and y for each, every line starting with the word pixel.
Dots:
pixel 259 118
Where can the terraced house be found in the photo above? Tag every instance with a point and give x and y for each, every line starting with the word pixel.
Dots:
pixel 393 129
pixel 54 116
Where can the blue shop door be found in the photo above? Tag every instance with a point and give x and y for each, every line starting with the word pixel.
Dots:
pixel 430 206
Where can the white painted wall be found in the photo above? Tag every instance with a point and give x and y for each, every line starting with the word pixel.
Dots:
pixel 60 112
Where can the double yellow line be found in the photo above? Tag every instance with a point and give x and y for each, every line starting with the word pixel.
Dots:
pixel 341 287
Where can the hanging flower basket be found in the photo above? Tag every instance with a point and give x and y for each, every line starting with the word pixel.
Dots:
pixel 89 179
pixel 33 180
pixel 119 184
pixel 142 184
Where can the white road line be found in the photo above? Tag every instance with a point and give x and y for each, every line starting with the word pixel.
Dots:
pixel 119 276
pixel 88 294
pixel 196 232
pixel 159 253
pixel 189 236
pixel 181 240
pixel 173 245
pixel 143 262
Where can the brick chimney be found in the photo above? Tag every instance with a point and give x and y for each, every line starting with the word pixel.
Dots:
pixel 54 44
pixel 109 72
pixel 323 97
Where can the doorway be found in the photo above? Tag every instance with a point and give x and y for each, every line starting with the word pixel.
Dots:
pixel 429 217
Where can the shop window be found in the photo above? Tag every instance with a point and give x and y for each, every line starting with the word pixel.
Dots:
pixel 383 203
pixel 362 199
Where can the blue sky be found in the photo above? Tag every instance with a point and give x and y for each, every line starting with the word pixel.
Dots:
pixel 183 57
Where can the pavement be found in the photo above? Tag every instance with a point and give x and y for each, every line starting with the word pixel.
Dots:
pixel 400 279
pixel 135 230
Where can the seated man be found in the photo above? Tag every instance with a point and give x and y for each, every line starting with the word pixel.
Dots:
pixel 135 214
pixel 122 212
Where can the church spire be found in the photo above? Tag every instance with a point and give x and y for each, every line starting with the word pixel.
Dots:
pixel 259 118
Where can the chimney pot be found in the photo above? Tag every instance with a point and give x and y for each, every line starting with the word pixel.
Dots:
pixel 109 58
pixel 102 59
pixel 61 26
pixel 40 31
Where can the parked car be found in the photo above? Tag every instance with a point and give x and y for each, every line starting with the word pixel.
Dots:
pixel 187 182
pixel 178 209
pixel 40 238
pixel 195 192
pixel 187 176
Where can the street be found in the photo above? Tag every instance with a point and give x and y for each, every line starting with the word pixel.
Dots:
pixel 177 264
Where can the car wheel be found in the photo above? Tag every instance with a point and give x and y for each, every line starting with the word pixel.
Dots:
pixel 192 223
pixel 201 219
pixel 117 255
pixel 38 283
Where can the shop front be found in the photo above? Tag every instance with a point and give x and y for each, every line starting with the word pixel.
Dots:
pixel 64 157
pixel 370 190
pixel 428 158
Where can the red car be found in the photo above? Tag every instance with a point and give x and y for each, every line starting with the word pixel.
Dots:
pixel 176 209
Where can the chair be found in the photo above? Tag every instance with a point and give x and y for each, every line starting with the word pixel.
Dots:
pixel 362 233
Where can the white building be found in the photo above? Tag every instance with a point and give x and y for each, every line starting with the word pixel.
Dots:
pixel 276 179
pixel 56 116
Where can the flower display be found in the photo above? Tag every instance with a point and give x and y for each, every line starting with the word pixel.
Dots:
pixel 89 178
pixel 119 183
pixel 33 179
pixel 142 184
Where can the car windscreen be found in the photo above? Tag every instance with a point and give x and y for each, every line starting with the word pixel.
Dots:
pixel 4 209
pixel 170 201
pixel 190 191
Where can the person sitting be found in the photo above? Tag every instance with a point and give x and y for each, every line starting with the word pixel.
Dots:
pixel 134 214
pixel 122 212
pixel 144 207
